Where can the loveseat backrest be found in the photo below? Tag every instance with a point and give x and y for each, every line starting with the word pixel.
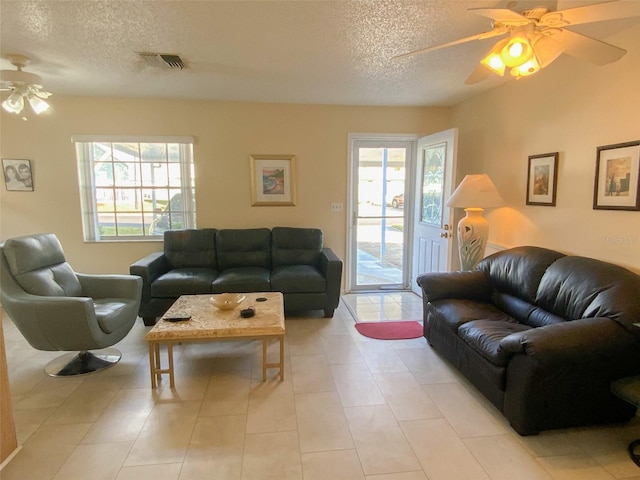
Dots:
pixel 578 287
pixel 191 248
pixel 37 263
pixel 248 247
pixel 295 246
pixel 517 271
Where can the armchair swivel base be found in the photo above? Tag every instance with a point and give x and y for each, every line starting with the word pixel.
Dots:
pixel 81 363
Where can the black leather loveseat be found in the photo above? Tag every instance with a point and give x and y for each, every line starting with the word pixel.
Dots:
pixel 201 261
pixel 541 334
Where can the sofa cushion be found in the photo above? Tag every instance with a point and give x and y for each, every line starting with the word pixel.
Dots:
pixel 579 287
pixel 295 246
pixel 484 337
pixel 249 247
pixel 242 279
pixel 191 248
pixel 524 312
pixel 184 281
pixel 454 313
pixel 518 271
pixel 297 278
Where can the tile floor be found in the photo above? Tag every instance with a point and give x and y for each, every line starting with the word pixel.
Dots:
pixel 350 408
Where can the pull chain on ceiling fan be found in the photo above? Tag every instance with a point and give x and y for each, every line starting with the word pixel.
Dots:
pixel 538 36
pixel 22 85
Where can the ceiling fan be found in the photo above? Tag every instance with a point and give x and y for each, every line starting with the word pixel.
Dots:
pixel 536 37
pixel 22 85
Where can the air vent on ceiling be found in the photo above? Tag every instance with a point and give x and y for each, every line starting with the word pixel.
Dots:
pixel 162 60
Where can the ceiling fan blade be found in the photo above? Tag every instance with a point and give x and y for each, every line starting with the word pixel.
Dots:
pixel 502 15
pixel 479 74
pixel 587 48
pixel 593 13
pixel 547 50
pixel 481 36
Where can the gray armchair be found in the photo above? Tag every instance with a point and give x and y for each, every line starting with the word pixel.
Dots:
pixel 57 309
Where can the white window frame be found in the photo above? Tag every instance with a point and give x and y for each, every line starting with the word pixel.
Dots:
pixel 87 184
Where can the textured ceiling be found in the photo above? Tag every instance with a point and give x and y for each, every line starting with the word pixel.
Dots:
pixel 327 52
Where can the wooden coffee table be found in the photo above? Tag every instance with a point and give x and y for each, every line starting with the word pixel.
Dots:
pixel 209 323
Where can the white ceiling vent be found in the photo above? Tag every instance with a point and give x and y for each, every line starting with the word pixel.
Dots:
pixel 162 60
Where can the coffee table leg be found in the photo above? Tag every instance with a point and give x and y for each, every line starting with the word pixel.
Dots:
pixel 170 355
pixel 266 365
pixel 153 362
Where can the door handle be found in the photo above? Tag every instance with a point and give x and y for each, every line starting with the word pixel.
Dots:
pixel 446 235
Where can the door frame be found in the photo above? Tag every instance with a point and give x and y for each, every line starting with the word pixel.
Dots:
pixel 352 202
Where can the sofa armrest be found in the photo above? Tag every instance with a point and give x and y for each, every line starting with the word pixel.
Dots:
pixel 470 285
pixel 331 268
pixel 149 268
pixel 570 341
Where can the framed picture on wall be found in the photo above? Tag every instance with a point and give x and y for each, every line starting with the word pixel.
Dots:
pixel 273 180
pixel 18 176
pixel 542 179
pixel 617 177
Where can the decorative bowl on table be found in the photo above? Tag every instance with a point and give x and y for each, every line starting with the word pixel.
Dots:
pixel 227 301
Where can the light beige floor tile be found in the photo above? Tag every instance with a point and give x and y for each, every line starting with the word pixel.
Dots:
pixel 304 342
pixel 150 472
pixel 380 443
pixel 549 444
pixel 28 421
pixel 88 401
pixel 102 460
pixel 607 446
pixel 311 373
pixel 356 386
pixel 381 358
pixel 216 448
pixel 339 349
pixel 123 418
pixel 405 396
pixel 574 467
pixel 165 435
pixel 44 452
pixel 272 455
pixel 227 394
pixel 504 458
pixel 337 465
pixel 321 422
pixel 463 411
pixel 427 367
pixel 271 407
pixel 441 452
pixel 399 476
pixel 51 392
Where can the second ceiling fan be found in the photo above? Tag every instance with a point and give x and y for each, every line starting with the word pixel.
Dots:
pixel 537 36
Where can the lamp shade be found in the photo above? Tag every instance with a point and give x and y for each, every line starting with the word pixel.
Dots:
pixel 476 191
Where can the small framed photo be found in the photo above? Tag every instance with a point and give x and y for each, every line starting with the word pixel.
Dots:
pixel 273 180
pixel 17 175
pixel 617 174
pixel 542 179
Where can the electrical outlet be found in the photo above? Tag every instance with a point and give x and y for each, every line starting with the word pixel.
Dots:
pixel 337 207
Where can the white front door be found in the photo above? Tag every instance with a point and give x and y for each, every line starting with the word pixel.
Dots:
pixel 433 222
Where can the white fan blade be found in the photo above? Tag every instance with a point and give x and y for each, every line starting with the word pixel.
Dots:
pixel 502 15
pixel 479 74
pixel 593 13
pixel 587 48
pixel 547 50
pixel 480 36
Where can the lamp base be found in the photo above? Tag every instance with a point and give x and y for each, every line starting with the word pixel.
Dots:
pixel 473 232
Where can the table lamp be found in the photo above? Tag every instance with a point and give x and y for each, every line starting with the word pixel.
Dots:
pixel 474 194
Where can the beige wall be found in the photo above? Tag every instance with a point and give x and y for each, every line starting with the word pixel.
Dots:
pixel 571 107
pixel 226 134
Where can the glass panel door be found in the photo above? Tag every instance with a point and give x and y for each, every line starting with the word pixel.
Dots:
pixel 379 237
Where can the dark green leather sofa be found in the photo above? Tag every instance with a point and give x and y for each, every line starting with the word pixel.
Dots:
pixel 201 261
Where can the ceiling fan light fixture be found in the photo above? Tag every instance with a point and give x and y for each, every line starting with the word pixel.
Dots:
pixel 37 104
pixel 517 51
pixel 14 103
pixel 493 60
pixel 529 67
